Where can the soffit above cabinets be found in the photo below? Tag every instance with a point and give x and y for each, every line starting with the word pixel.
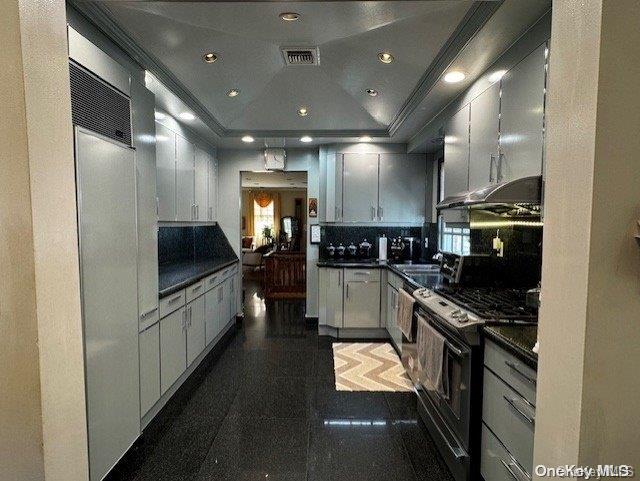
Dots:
pixel 424 37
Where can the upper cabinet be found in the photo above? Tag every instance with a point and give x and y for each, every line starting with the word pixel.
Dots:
pixel 484 131
pixel 522 116
pixel 186 179
pixel 456 160
pixel 374 188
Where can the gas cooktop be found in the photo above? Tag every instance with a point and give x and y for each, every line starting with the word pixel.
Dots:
pixel 491 304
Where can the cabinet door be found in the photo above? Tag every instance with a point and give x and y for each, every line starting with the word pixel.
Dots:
pixel 483 138
pixel 403 181
pixel 362 304
pixel 213 188
pixel 173 348
pixel 232 299
pixel 149 368
pixel 195 329
pixel 211 312
pixel 223 301
pixel 166 173
pixel 334 188
pixel 456 161
pixel 335 283
pixel 184 179
pixel 144 128
pixel 201 185
pixel 521 117
pixel 360 187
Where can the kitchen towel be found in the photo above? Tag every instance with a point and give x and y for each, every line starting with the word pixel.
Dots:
pixel 404 313
pixel 431 349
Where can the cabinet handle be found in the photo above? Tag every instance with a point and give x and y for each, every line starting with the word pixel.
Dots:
pixel 190 315
pixel 197 212
pixel 492 160
pixel 499 173
pixel 197 288
pixel 347 291
pixel 513 366
pixel 335 214
pixel 177 298
pixel 158 207
pixel 373 213
pixel 512 472
pixel 212 280
pixel 512 403
pixel 146 313
pixel 210 213
pixel 184 320
pixel 339 278
pixel 362 273
pixel 380 213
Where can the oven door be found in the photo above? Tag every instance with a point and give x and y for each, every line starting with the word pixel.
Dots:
pixel 453 406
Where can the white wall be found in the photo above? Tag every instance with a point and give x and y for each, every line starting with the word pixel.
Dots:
pixel 233 161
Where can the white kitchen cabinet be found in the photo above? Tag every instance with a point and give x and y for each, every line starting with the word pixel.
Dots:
pixel 456 161
pixel 185 171
pixel 483 138
pixel 212 206
pixel 362 304
pixel 521 117
pixel 212 314
pixel 402 186
pixel 331 282
pixel 196 338
pixel 149 368
pixel 333 188
pixel 201 185
pixel 360 187
pixel 173 348
pixel 166 173
pixel 144 134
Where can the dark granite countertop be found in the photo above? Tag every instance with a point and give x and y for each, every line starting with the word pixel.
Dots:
pixel 416 281
pixel 517 339
pixel 174 277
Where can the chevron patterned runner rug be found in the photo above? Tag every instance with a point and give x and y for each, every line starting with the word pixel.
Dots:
pixel 363 366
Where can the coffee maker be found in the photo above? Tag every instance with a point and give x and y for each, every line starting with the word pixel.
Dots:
pixel 411 251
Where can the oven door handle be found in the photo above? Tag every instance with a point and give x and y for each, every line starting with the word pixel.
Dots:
pixel 454 349
pixel 457 451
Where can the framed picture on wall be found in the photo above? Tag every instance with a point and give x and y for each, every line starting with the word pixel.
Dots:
pixel 315 234
pixel 313 207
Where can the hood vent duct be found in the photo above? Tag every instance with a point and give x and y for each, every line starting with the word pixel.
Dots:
pixel 499 197
pixel 301 56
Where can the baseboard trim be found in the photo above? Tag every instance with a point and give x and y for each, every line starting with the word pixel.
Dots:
pixel 351 333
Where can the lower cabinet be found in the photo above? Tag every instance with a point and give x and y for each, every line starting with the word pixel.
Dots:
pixel 212 314
pixel 173 348
pixel 361 298
pixel 331 296
pixel 149 340
pixel 195 329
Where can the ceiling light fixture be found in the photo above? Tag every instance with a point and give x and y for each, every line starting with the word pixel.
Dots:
pixel 454 76
pixel 372 92
pixel 303 111
pixel 289 16
pixel 187 116
pixel 247 139
pixel 159 115
pixel 233 93
pixel 210 57
pixel 306 139
pixel 385 57
pixel 365 138
pixel 497 75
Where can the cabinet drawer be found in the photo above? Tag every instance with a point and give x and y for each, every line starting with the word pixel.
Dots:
pixel 518 375
pixel 496 464
pixel 171 303
pixel 510 417
pixel 212 281
pixel 194 290
pixel 362 275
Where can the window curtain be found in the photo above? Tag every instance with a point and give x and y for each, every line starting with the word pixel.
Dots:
pixel 276 214
pixel 248 214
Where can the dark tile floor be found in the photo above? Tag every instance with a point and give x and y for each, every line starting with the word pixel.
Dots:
pixel 265 407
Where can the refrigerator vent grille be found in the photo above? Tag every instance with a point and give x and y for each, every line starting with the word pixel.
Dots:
pixel 301 56
pixel 99 107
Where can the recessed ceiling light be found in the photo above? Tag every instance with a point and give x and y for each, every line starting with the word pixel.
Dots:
pixel 306 139
pixel 372 92
pixel 454 77
pixel 233 93
pixel 210 57
pixel 303 111
pixel 247 139
pixel 497 75
pixel 385 57
pixel 159 115
pixel 365 138
pixel 187 116
pixel 289 16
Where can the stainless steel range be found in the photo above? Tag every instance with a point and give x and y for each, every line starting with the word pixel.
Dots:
pixel 457 313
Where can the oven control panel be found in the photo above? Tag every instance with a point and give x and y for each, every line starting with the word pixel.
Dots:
pixel 446 310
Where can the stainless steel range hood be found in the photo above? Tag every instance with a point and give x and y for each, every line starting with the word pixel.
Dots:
pixel 525 191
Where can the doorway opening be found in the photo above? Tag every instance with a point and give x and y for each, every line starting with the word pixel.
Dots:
pixel 274 233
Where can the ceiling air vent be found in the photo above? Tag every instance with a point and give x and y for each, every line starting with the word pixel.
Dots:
pixel 301 55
